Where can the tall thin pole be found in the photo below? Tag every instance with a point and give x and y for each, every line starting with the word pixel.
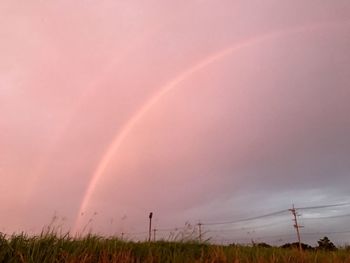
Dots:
pixel 296 225
pixel 150 227
pixel 154 234
pixel 200 231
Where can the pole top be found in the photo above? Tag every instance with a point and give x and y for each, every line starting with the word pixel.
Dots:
pixel 150 215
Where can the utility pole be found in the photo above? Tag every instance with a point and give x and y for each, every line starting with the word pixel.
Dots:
pixel 150 227
pixel 122 235
pixel 296 225
pixel 154 234
pixel 200 231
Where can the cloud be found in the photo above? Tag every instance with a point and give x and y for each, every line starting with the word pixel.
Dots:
pixel 250 133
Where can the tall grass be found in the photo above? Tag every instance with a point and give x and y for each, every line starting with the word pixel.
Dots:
pixel 49 247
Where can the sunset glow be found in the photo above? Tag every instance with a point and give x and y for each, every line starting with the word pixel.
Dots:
pixel 194 110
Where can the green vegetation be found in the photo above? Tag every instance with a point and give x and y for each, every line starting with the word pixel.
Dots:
pixel 326 244
pixel 52 248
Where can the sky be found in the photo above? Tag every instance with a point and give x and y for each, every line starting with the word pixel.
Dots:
pixel 198 111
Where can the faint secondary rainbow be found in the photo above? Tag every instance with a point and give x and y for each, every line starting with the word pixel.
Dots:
pixel 89 92
pixel 120 136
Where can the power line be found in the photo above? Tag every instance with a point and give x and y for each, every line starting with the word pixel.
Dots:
pixel 276 213
pixel 325 217
pixel 189 228
pixel 171 229
pixel 322 206
pixel 250 228
pixel 246 219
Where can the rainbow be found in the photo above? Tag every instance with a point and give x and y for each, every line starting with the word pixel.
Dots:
pixel 128 126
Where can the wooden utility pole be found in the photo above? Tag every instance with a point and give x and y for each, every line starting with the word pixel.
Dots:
pixel 150 227
pixel 296 225
pixel 200 231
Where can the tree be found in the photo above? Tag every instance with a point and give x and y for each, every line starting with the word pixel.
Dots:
pixel 262 245
pixel 326 244
pixel 296 246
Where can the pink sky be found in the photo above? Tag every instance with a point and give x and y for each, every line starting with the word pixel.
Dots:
pixel 195 110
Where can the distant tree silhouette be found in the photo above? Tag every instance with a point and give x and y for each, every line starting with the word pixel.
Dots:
pixel 326 244
pixel 262 244
pixel 296 245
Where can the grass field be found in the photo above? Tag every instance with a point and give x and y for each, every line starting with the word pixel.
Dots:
pixel 51 248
